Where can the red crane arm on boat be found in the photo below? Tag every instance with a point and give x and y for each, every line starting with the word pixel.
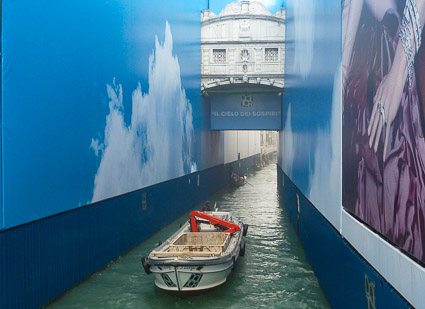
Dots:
pixel 232 227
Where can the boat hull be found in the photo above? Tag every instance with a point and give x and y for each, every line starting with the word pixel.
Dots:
pixel 195 262
pixel 191 279
pixel 237 183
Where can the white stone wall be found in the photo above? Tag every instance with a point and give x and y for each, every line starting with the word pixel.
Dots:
pixel 246 143
pixel 244 31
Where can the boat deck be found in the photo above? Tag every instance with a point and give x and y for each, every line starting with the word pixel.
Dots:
pixel 199 244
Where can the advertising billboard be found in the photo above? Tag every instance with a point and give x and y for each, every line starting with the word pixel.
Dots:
pixel 383 77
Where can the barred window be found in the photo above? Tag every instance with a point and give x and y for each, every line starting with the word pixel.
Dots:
pixel 219 55
pixel 271 55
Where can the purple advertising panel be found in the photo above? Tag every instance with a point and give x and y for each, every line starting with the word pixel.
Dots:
pixel 246 112
pixel 383 78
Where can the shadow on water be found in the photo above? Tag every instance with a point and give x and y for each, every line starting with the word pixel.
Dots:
pixel 273 273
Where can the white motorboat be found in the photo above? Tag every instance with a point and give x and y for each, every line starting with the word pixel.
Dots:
pixel 200 255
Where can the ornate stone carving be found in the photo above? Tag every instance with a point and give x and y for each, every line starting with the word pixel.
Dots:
pixel 244 55
pixel 244 26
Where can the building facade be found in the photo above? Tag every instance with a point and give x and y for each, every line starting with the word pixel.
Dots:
pixel 244 44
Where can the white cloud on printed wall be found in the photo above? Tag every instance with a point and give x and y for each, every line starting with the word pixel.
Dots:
pixel 156 146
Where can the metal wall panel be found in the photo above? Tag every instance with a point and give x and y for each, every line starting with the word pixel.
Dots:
pixel 84 242
pixel 33 259
pixel 59 245
pixel 20 267
pixel 41 260
pixel 13 270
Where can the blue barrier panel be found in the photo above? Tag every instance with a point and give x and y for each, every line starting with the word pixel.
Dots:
pixel 42 259
pixel 99 99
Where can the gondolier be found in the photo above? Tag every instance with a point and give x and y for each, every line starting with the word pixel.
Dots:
pixel 207 206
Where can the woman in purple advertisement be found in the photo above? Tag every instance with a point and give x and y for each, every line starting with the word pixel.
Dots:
pixel 383 107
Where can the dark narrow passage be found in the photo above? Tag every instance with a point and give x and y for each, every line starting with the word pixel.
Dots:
pixel 272 274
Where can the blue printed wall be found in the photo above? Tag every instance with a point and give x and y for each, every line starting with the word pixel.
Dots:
pixel 100 98
pixel 350 146
pixel 310 139
pixel 101 110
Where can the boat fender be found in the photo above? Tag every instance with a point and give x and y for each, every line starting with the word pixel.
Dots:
pixel 242 249
pixel 145 264
pixel 245 229
pixel 234 263
pixel 160 243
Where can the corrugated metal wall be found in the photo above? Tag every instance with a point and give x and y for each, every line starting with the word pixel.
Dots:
pixel 41 260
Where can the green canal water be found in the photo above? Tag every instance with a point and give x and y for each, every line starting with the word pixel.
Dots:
pixel 273 273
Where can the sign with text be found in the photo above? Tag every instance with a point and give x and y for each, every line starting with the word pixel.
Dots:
pixel 246 112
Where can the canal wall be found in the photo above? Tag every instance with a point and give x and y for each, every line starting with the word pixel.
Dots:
pixel 354 198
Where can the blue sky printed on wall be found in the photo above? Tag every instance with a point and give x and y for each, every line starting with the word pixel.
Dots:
pixel 272 5
pixel 156 145
pixel 311 136
pixel 69 70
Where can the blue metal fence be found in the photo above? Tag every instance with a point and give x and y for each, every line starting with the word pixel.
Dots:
pixel 41 260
